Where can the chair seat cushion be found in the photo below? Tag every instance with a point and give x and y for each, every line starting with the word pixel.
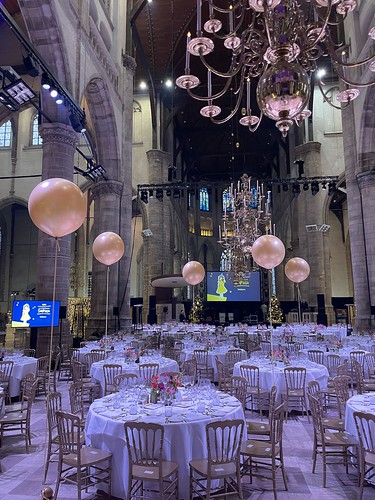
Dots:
pixel 257 428
pixel 339 439
pixel 89 456
pixel 217 470
pixel 151 472
pixel 257 448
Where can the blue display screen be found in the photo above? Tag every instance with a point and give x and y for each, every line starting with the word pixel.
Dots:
pixel 27 313
pixel 222 288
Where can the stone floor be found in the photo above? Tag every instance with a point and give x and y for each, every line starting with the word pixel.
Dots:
pixel 21 473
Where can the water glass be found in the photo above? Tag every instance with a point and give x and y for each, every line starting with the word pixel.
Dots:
pixel 168 411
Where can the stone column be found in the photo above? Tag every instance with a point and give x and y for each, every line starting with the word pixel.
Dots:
pixel 356 222
pixel 159 246
pixel 129 66
pixel 313 247
pixel 107 196
pixel 59 142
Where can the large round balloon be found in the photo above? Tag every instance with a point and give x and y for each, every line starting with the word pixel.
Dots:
pixel 108 248
pixel 193 272
pixel 57 207
pixel 297 269
pixel 268 251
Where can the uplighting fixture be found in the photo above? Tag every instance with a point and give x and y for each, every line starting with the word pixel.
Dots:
pixel 277 42
pixel 19 91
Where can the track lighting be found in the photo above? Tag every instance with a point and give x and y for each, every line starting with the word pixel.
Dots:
pixel 305 186
pixel 314 188
pixel 144 196
pixel 159 194
pixel 331 188
pixel 296 189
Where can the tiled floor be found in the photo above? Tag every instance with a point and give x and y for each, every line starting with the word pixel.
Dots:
pixel 21 473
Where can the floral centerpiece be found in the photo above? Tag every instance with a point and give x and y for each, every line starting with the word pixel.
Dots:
pixel 107 343
pixel 131 354
pixel 334 345
pixel 281 356
pixel 168 386
pixel 156 387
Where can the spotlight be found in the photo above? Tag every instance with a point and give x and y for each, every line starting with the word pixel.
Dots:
pixel 53 92
pixel 168 193
pixel 305 186
pixel 159 194
pixel 168 83
pixel 176 194
pixel 296 189
pixel 143 85
pixel 46 84
pixel 331 188
pixel 314 188
pixel 30 66
pixel 285 187
pixel 150 193
pixel 144 196
pixel 59 99
pixel 324 186
pixel 78 124
pixel 19 91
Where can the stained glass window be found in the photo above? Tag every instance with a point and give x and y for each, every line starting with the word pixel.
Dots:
pixel 204 200
pixel 5 135
pixel 36 140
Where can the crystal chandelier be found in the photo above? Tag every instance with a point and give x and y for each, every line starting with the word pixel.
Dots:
pixel 247 214
pixel 278 42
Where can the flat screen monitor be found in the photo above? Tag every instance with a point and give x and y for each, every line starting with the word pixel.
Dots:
pixel 28 313
pixel 222 288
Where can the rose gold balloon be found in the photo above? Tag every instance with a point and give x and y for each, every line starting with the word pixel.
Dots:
pixel 57 207
pixel 108 248
pixel 268 251
pixel 193 272
pixel 297 270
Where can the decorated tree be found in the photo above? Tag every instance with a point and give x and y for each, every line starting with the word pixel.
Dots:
pixel 275 314
pixel 196 311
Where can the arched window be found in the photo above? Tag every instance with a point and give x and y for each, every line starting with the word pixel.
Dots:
pixel 204 200
pixel 227 201
pixel 6 135
pixel 36 139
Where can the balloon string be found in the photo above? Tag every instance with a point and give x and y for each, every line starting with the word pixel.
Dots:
pixel 299 303
pixel 270 316
pixel 106 305
pixel 57 248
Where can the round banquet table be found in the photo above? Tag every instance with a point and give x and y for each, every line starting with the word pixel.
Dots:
pixel 184 435
pixel 274 375
pixel 360 402
pixel 23 365
pixel 220 352
pixel 165 365
pixel 344 352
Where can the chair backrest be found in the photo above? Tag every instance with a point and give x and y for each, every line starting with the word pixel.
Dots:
pixel 316 356
pixel 27 385
pixel 317 417
pixel 42 365
pixel 313 388
pixel 265 346
pixel 69 438
pixel 357 356
pixel 54 404
pixel 333 362
pixel 276 426
pixel 341 385
pixel 370 362
pixel 78 370
pixel 134 344
pixel 6 368
pixel 189 367
pixel 179 344
pixel 76 399
pixel 343 369
pixel 295 377
pixel 147 371
pixel 238 388
pixel 232 357
pixel 201 357
pixel 251 375
pixel 365 424
pixel 223 443
pixel 359 377
pixel 223 375
pixel 144 442
pixel 94 357
pixel 110 371
pixel 125 380
pixel 29 352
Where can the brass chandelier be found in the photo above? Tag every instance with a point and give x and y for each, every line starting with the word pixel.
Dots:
pixel 278 42
pixel 247 215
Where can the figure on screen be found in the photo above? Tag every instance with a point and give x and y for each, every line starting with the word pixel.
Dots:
pixel 221 289
pixel 25 318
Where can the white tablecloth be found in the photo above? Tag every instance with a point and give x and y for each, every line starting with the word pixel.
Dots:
pixel 22 367
pixel 184 437
pixel 270 375
pixel 360 402
pixel 165 365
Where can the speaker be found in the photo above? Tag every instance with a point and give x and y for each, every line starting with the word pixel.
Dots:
pixel 62 312
pixel 116 311
pixel 321 301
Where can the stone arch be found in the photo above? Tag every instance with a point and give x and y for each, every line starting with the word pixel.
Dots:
pixel 104 126
pixel 45 33
pixel 366 146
